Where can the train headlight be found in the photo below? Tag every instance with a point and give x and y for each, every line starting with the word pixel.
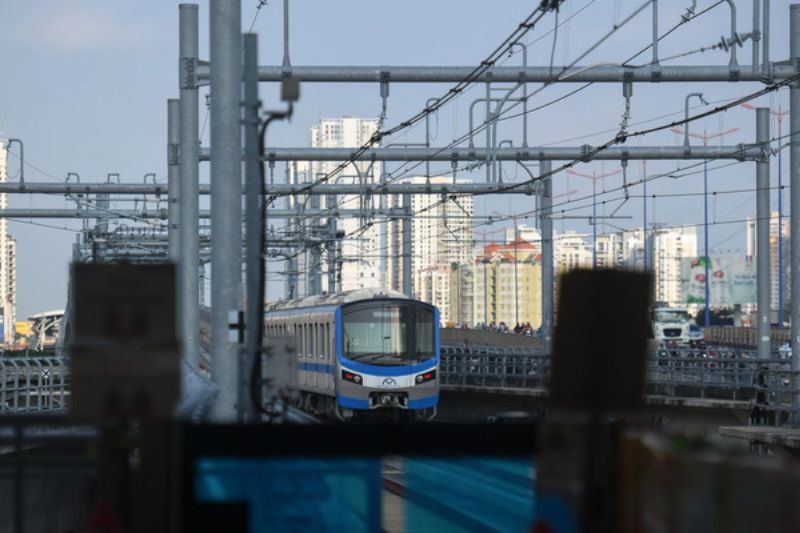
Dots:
pixel 430 375
pixel 351 377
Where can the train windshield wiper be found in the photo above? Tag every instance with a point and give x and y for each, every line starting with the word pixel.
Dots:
pixel 382 358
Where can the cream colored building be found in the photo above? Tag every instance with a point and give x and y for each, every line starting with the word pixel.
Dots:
pixel 507 285
pixel 773 253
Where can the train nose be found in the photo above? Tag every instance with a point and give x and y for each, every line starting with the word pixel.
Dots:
pixel 389 399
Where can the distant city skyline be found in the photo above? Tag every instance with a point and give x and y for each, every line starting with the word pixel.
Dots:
pixel 87 83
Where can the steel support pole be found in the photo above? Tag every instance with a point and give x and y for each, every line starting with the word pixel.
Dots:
pixel 315 254
pixel 645 250
pixel 226 199
pixel 101 224
pixel 781 264
pixel 594 223
pixel 707 314
pixel 102 202
pixel 548 279
pixel 253 225
pixel 408 287
pixel 794 189
pixel 173 175
pixel 763 271
pixel 331 255
pixel 188 199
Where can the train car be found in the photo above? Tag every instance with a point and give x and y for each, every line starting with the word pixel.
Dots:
pixel 363 353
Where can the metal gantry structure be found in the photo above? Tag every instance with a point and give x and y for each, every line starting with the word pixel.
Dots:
pixel 234 78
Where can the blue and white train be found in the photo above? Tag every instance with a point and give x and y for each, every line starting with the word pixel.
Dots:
pixel 363 353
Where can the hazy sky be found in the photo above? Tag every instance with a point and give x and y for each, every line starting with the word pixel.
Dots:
pixel 85 84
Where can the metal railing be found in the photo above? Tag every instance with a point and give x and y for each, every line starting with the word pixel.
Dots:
pixel 33 384
pixel 717 375
pixel 41 384
pixel 487 368
pixel 744 337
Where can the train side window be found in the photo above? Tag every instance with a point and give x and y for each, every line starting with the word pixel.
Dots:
pixel 318 338
pixel 324 338
pixel 317 351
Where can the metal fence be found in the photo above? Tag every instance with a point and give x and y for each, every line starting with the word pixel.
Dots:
pixel 41 384
pixel 719 374
pixel 33 384
pixel 744 337
pixel 493 368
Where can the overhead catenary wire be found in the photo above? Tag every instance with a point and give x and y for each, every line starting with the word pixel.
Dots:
pixel 520 31
pixel 394 178
pixel 594 46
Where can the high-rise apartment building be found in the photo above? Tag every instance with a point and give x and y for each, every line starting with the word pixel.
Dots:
pixel 774 262
pixel 8 260
pixel 507 285
pixel 441 236
pixel 570 251
pixel 441 233
pixel 357 263
pixel 626 249
pixel 669 247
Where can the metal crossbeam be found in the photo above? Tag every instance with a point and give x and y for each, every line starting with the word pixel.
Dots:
pixel 555 74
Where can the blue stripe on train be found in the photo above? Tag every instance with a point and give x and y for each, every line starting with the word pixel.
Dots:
pixel 424 403
pixel 352 403
pixel 317 367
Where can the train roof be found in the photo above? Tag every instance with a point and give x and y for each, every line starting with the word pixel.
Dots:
pixel 338 298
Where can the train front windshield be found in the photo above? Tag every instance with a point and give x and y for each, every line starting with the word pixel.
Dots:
pixel 388 333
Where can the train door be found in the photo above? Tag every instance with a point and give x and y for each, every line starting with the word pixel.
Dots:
pixel 297 331
pixel 312 349
pixel 331 356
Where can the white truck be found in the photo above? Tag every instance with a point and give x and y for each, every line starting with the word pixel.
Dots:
pixel 671 325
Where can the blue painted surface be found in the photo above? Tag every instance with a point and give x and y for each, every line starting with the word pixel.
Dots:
pixel 385 371
pixel 318 367
pixel 296 494
pixel 379 370
pixel 424 403
pixel 289 494
pixel 469 494
pixel 346 402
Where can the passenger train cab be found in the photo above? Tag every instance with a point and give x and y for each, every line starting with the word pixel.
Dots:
pixel 363 353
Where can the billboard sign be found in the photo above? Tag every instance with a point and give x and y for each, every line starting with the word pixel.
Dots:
pixel 732 280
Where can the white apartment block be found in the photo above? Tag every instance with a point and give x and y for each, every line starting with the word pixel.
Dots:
pixel 441 236
pixel 360 265
pixel 570 251
pixel 773 253
pixel 625 249
pixel 8 260
pixel 669 248
pixel 525 233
